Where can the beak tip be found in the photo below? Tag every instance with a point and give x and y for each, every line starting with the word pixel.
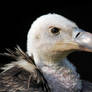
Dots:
pixel 85 41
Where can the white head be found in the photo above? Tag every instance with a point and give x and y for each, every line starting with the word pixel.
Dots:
pixel 52 37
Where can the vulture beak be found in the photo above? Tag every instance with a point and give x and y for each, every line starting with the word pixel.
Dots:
pixel 83 39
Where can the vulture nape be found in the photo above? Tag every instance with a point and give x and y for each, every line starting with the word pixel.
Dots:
pixel 45 67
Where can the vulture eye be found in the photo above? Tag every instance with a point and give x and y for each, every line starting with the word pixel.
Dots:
pixel 55 30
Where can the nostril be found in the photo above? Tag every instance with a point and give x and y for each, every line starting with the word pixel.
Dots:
pixel 77 34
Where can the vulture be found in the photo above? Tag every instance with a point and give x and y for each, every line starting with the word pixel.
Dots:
pixel 44 67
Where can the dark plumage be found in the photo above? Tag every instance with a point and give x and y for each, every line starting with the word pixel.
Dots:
pixel 17 79
pixel 87 86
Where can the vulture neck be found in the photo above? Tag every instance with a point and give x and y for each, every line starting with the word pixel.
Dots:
pixel 60 73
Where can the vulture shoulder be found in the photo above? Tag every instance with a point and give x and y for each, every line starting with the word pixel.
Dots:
pixel 18 78
pixel 87 86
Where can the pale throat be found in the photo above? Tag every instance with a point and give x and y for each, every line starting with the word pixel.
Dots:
pixel 56 60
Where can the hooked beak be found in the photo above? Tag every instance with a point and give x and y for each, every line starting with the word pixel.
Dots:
pixel 83 39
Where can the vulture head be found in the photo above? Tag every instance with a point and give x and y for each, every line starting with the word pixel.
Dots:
pixel 52 37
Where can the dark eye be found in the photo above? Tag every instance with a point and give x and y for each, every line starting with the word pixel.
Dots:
pixel 55 30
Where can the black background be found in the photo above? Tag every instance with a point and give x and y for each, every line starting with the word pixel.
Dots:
pixel 16 20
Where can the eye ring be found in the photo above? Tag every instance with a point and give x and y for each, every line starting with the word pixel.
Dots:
pixel 55 30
